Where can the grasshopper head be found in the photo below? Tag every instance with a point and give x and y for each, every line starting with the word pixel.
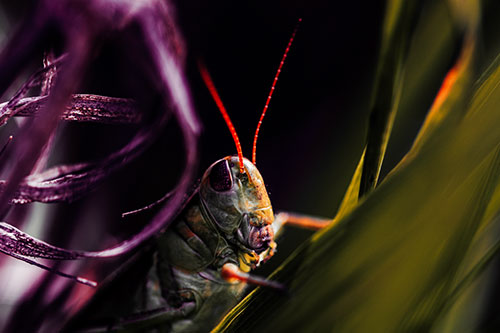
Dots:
pixel 232 190
pixel 238 204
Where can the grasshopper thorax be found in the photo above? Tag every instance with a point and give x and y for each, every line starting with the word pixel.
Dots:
pixel 238 204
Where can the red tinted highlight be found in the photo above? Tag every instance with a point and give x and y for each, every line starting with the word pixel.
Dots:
pixel 444 91
pixel 254 150
pixel 211 87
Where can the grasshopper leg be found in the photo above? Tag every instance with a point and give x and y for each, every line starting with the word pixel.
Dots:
pixel 231 273
pixel 299 220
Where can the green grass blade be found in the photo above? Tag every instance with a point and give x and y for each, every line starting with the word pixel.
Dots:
pixel 448 107
pixel 351 196
pixel 385 98
pixel 387 88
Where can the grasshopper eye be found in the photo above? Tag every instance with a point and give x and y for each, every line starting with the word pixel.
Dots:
pixel 220 177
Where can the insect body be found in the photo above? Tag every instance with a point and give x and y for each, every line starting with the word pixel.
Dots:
pixel 224 230
pixel 201 262
pixel 235 210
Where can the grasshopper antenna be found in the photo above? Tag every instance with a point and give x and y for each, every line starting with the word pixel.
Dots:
pixel 211 87
pixel 254 151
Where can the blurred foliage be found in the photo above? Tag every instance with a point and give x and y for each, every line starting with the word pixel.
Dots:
pixel 387 89
pixel 416 253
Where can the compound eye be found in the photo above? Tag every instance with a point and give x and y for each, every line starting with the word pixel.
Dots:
pixel 220 177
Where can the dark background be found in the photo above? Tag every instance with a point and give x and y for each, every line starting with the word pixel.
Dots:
pixel 317 116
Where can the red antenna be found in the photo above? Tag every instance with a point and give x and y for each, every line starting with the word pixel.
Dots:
pixel 211 87
pixel 254 151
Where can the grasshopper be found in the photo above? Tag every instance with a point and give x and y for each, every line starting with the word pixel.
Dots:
pixel 198 268
pixel 194 271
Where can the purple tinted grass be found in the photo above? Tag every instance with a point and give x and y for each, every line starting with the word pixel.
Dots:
pixel 50 66
pixel 35 80
pixel 21 47
pixel 82 108
pixel 67 183
pixel 175 90
pixel 33 136
pixel 34 299
pixel 83 24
